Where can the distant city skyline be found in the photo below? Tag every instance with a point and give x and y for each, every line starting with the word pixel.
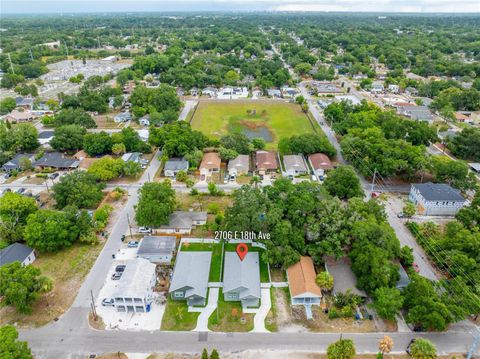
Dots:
pixel 393 6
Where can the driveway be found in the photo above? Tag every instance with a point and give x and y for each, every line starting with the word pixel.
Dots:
pixel 206 312
pixel 189 105
pixel 261 312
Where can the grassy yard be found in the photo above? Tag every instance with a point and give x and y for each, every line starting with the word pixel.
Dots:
pixel 227 317
pixel 271 120
pixel 202 202
pixel 67 269
pixel 271 320
pixel 264 276
pixel 216 264
pixel 177 317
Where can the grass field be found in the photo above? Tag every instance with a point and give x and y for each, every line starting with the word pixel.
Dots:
pixel 271 120
pixel 177 317
pixel 227 317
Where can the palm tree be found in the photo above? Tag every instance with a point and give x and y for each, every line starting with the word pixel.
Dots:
pixel 324 281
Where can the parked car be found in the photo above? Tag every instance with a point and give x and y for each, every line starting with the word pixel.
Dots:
pixel 401 215
pixel 116 276
pixel 132 244
pixel 232 178
pixel 54 175
pixel 120 268
pixel 108 302
pixel 144 230
pixel 21 190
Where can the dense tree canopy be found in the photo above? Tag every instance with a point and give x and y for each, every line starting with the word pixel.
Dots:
pixel 156 203
pixel 10 347
pixel 68 138
pixel 79 189
pixel 14 210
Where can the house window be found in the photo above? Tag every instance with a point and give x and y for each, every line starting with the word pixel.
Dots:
pixel 178 294
pixel 139 309
pixel 232 296
pixel 137 300
pixel 119 300
pixel 120 308
pixel 128 300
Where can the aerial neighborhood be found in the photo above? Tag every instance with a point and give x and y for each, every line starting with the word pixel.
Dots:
pixel 274 175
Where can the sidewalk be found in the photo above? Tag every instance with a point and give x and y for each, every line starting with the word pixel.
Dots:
pixel 206 312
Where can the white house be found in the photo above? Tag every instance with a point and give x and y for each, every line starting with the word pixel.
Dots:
pixel 232 93
pixel 294 165
pixel 377 87
pixel 393 88
pixel 17 252
pixel 182 222
pixel 436 199
pixel 134 291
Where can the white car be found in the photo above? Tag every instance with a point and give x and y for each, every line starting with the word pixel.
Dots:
pixel 108 302
pixel 144 230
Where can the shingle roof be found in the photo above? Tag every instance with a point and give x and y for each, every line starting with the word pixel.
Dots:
pixel 266 160
pixel 56 160
pixel 14 163
pixel 211 160
pixel 176 164
pixel 438 192
pixel 243 275
pixel 184 219
pixel 157 245
pixel 241 162
pixel 320 161
pixel 14 252
pixel 45 134
pixel 294 162
pixel 192 270
pixel 301 278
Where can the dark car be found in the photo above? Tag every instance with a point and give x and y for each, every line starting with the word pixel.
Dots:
pixel 21 190
pixel 120 268
pixel 116 276
pixel 54 175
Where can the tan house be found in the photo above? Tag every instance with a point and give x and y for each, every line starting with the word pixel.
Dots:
pixel 301 282
pixel 20 116
pixel 320 164
pixel 210 163
pixel 266 162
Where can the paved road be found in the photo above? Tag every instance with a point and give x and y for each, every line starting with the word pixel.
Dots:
pixel 189 105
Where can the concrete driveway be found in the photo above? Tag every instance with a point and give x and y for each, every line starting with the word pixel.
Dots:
pixel 206 312
pixel 261 312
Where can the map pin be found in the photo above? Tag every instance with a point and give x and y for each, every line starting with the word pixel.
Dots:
pixel 242 250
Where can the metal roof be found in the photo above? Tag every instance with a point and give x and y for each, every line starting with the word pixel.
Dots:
pixel 192 270
pixel 157 245
pixel 176 164
pixel 438 192
pixel 242 275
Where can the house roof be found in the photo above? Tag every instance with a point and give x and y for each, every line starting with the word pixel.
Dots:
pixel 132 156
pixel 417 112
pixel 162 245
pixel 45 135
pixel 184 219
pixel 438 192
pixel 176 164
pixel 343 277
pixel 14 252
pixel 301 278
pixel 136 279
pixel 56 160
pixel 24 101
pixel 241 162
pixel 211 160
pixel 192 270
pixel 14 163
pixel 327 87
pixel 266 160
pixel 404 279
pixel 294 162
pixel 242 275
pixel 16 115
pixel 320 161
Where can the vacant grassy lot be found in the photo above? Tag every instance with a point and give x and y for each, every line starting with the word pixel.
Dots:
pixel 177 317
pixel 271 120
pixel 228 317
pixel 264 276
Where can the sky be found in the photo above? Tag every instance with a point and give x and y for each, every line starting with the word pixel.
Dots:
pixel 68 6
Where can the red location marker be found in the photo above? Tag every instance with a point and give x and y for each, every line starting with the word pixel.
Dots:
pixel 242 250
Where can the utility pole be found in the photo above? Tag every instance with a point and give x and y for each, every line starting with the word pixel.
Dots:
pixel 373 182
pixel 476 341
pixel 129 226
pixel 94 311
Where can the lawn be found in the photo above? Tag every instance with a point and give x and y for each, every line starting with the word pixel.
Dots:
pixel 264 276
pixel 271 120
pixel 227 317
pixel 66 268
pixel 177 317
pixel 216 264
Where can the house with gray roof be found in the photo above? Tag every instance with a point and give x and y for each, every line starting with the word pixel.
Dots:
pixel 45 137
pixel 56 160
pixel 274 93
pixel 15 163
pixel 239 165
pixel 157 249
pixel 190 277
pixel 241 279
pixel 294 165
pixel 417 113
pixel 182 222
pixel 175 165
pixel 132 157
pixel 436 199
pixel 24 102
pixel 17 252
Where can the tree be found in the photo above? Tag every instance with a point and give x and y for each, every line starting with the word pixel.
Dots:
pixel 324 281
pixel 20 137
pixel 49 231
pixel 68 138
pixel 156 203
pixel 258 144
pixel 237 142
pixel 7 105
pixel 118 149
pixel 25 164
pixel 79 189
pixel 455 173
pixel 423 349
pixel 466 145
pixel 409 209
pixel 227 154
pixel 131 168
pixel 162 100
pixel 74 116
pixel 10 347
pixel 343 183
pixel 22 285
pixel 385 345
pixel 341 349
pixel 213 189
pixel 388 302
pixel 106 169
pixel 307 144
pixel 231 77
pixel 214 354
pixel 204 354
pixel 14 210
pixel 96 144
pixel 181 176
